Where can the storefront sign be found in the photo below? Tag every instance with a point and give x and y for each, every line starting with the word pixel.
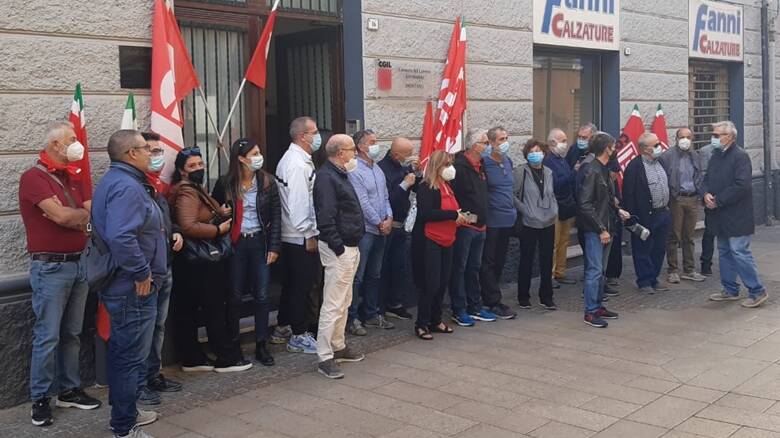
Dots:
pixel 404 79
pixel 715 30
pixel 590 24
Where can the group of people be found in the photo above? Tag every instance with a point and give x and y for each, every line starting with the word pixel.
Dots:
pixel 374 220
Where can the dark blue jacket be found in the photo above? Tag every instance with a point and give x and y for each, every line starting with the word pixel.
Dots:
pixel 399 198
pixel 126 216
pixel 563 184
pixel 637 199
pixel 575 154
pixel 729 179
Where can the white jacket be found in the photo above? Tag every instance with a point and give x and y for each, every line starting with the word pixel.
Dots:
pixel 295 175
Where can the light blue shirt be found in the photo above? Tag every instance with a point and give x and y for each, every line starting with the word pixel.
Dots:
pixel 371 188
pixel 501 183
pixel 250 220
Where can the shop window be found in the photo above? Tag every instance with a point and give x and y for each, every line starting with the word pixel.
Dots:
pixel 709 99
pixel 320 7
pixel 567 93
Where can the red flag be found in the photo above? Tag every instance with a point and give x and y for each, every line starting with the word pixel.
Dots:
pixel 76 117
pixel 103 322
pixel 256 72
pixel 426 143
pixel 173 78
pixel 659 128
pixel 626 144
pixel 452 97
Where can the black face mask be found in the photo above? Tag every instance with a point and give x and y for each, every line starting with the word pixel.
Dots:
pixel 196 176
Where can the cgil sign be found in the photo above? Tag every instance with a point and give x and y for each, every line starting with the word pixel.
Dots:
pixel 590 24
pixel 715 30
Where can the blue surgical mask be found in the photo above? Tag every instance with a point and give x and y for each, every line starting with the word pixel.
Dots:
pixel 715 141
pixel 657 151
pixel 157 163
pixel 376 152
pixel 582 144
pixel 535 158
pixel 316 142
pixel 503 148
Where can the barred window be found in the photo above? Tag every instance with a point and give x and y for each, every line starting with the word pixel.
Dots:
pixel 708 100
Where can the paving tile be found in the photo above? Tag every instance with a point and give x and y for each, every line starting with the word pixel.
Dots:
pixel 764 384
pixel 484 394
pixel 653 385
pixel 741 417
pixel 569 415
pixel 516 420
pixel 762 350
pixel 619 392
pixel 355 420
pixel 749 432
pixel 699 394
pixel 554 429
pixel 746 402
pixel 164 429
pixel 427 418
pixel 234 406
pixel 281 420
pixel 667 411
pixel 361 378
pixel 609 406
pixel 416 394
pixel 625 429
pixel 729 374
pixel 709 428
pixel 678 434
pixel 774 409
pixel 487 431
pixel 411 431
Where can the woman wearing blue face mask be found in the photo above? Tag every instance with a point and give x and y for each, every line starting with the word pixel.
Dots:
pixel 538 209
pixel 256 237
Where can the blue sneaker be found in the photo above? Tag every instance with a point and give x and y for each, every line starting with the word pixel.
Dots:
pixel 484 315
pixel 463 319
pixel 302 344
pixel 593 319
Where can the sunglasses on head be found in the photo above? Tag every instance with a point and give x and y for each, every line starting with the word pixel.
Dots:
pixel 192 151
pixel 244 146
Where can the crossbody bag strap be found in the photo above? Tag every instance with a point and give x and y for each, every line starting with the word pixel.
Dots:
pixel 205 199
pixel 68 197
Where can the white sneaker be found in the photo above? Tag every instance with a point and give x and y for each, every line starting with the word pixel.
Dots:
pixel 723 296
pixel 136 432
pixel 755 302
pixel 673 278
pixel 693 276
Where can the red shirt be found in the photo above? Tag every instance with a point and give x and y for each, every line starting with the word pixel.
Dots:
pixel 43 235
pixel 443 232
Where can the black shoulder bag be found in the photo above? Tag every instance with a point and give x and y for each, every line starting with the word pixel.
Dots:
pixel 207 250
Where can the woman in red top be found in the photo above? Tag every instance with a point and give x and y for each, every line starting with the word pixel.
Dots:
pixel 432 239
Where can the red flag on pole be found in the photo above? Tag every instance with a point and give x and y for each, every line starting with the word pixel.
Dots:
pixel 173 78
pixel 256 72
pixel 659 128
pixel 452 97
pixel 426 143
pixel 626 144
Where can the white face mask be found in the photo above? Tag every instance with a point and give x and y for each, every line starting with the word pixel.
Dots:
pixel 75 151
pixel 684 144
pixel 256 162
pixel 561 149
pixel 351 165
pixel 448 173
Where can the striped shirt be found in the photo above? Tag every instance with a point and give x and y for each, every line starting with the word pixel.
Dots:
pixel 659 184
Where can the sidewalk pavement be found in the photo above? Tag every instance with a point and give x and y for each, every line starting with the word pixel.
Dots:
pixel 674 365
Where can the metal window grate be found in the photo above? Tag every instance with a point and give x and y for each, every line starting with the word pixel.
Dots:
pixel 309 86
pixel 218 56
pixel 316 7
pixel 708 100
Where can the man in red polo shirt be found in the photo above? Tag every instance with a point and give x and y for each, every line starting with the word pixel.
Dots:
pixel 55 209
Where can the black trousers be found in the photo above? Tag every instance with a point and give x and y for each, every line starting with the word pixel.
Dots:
pixel 432 265
pixel 204 287
pixel 530 240
pixel 493 259
pixel 707 248
pixel 615 262
pixel 300 271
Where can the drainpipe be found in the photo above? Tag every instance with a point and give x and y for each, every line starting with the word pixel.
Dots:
pixel 766 109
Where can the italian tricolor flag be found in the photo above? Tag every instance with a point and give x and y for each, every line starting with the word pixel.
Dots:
pixel 129 120
pixel 76 117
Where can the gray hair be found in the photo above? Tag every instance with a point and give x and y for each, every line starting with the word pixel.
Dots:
pixel 335 143
pixel 643 139
pixel 728 126
pixel 493 132
pixel 591 127
pixel 554 133
pixel 57 130
pixel 120 142
pixel 473 136
pixel 298 126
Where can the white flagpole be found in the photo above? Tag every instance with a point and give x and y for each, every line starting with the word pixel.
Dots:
pixel 220 145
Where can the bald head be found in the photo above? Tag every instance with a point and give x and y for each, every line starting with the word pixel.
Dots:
pixel 401 149
pixel 336 143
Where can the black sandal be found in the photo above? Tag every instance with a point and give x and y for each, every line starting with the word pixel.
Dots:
pixel 441 328
pixel 423 333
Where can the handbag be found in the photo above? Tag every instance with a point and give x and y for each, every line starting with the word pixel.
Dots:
pixel 517 229
pixel 207 250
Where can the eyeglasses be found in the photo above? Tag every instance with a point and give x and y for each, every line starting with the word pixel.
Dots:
pixel 349 149
pixel 145 147
pixel 717 135
pixel 158 152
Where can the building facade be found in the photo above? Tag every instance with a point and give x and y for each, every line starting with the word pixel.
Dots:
pixel 532 65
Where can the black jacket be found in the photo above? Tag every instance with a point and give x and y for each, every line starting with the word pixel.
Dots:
pixel 636 191
pixel 596 200
pixel 168 224
pixel 729 179
pixel 269 207
pixel 339 216
pixel 470 188
pixel 575 154
pixel 399 198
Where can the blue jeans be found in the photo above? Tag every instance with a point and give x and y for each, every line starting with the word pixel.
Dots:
pixel 58 299
pixel 396 272
pixel 365 290
pixel 132 327
pixel 249 272
pixel 736 259
pixel 465 294
pixel 649 254
pixel 596 256
pixel 154 360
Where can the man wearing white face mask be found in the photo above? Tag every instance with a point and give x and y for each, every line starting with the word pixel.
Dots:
pixel 340 221
pixel 563 185
pixel 55 206
pixel 646 195
pixel 683 168
pixel 371 188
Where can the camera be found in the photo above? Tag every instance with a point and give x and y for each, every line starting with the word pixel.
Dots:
pixel 633 225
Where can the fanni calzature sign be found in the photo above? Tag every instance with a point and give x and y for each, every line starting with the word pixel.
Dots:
pixel 589 24
pixel 715 30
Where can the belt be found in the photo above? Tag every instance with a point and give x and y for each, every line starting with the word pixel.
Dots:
pixel 659 210
pixel 251 235
pixel 687 194
pixel 53 257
